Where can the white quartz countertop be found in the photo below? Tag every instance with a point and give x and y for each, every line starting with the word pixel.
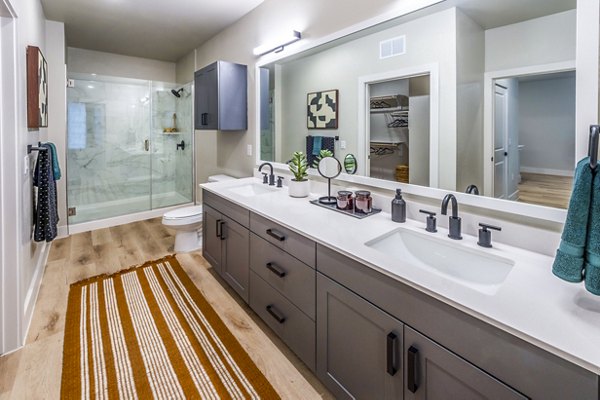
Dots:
pixel 559 317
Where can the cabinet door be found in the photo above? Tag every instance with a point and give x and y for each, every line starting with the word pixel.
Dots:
pixel 206 98
pixel 212 222
pixel 432 372
pixel 235 264
pixel 358 345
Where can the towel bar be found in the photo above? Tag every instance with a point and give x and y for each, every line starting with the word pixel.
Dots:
pixel 31 148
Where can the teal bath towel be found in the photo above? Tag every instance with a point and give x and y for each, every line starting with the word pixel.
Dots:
pixel 55 166
pixel 592 266
pixel 569 261
pixel 317 145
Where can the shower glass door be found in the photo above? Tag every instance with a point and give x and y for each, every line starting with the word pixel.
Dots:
pixel 122 153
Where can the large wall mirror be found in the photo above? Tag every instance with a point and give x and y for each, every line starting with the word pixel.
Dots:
pixel 464 94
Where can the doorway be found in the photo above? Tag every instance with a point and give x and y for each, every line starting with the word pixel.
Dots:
pixel 534 138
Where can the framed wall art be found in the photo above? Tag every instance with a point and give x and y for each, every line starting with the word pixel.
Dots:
pixel 322 110
pixel 37 88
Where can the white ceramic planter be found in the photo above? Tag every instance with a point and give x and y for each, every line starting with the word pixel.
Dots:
pixel 299 188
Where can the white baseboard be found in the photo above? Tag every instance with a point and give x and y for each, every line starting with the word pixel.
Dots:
pixel 34 288
pixel 546 171
pixel 63 232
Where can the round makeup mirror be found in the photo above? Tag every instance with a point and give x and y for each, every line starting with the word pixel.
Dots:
pixel 329 167
pixel 350 164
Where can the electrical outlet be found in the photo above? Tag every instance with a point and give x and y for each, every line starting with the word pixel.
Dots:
pixel 249 150
pixel 26 165
pixel 343 144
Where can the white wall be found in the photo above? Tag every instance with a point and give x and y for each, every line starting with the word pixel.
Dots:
pixel 547 125
pixel 470 54
pixel 97 62
pixel 30 257
pixel 538 41
pixel 57 98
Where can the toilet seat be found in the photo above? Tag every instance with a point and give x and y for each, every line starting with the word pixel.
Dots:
pixel 183 216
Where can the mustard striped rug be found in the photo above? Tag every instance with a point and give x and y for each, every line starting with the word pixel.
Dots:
pixel 148 332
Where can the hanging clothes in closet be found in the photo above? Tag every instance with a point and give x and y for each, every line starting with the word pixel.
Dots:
pixel 46 211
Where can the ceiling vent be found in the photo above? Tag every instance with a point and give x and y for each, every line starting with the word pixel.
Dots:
pixel 392 47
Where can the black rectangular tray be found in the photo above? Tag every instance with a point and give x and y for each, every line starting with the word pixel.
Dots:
pixel 351 213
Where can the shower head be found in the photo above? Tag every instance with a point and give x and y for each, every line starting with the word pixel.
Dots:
pixel 177 93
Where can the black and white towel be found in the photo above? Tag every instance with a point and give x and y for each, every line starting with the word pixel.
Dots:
pixel 46 212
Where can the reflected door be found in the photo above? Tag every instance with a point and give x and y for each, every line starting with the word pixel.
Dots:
pixel 500 142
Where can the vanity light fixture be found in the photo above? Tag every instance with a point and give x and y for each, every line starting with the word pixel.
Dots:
pixel 277 45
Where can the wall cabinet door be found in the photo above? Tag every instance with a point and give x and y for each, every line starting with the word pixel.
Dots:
pixel 358 345
pixel 212 221
pixel 235 264
pixel 432 372
pixel 206 97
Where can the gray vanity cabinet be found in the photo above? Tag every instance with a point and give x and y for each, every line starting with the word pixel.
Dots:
pixel 431 372
pixel 220 100
pixel 359 346
pixel 226 241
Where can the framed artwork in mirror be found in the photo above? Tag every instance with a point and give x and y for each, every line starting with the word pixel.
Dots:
pixel 37 88
pixel 322 110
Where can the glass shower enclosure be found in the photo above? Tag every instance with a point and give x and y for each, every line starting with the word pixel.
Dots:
pixel 129 146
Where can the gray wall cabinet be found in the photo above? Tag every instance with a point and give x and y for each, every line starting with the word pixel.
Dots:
pixel 221 97
pixel 359 347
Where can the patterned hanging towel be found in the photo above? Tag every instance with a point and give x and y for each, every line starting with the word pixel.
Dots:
pixel 46 215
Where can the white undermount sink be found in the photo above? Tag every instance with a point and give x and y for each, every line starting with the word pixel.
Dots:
pixel 251 189
pixel 476 269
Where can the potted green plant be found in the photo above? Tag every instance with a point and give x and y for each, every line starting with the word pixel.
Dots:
pixel 299 185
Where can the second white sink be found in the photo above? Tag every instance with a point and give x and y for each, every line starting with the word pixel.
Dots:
pixel 476 269
pixel 251 189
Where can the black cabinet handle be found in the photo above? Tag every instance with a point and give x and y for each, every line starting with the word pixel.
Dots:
pixel 275 314
pixel 204 119
pixel 218 229
pixel 392 340
pixel 223 224
pixel 411 373
pixel 276 234
pixel 274 268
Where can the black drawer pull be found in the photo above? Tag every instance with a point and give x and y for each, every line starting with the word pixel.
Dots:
pixel 273 311
pixel 223 235
pixel 412 359
pixel 204 119
pixel 392 351
pixel 277 235
pixel 274 268
pixel 218 228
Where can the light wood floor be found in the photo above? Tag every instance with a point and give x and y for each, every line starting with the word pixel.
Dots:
pixel 34 372
pixel 545 190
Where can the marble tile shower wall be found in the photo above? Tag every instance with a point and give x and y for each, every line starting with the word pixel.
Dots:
pixel 108 166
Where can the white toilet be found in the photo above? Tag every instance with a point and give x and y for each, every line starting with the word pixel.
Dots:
pixel 187 221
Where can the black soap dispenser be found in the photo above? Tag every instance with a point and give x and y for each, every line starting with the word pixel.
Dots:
pixel 398 207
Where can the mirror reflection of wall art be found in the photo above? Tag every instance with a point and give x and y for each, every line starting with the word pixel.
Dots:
pixel 322 110
pixel 37 88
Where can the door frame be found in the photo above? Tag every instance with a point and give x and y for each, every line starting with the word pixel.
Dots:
pixel 10 304
pixel 434 114
pixel 488 111
pixel 504 141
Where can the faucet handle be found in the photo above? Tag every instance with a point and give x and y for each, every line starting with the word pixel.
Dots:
pixel 430 220
pixel 485 236
pixel 279 181
pixel 265 178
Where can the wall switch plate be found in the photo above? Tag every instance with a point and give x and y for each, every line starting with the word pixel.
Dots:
pixel 343 144
pixel 26 165
pixel 249 150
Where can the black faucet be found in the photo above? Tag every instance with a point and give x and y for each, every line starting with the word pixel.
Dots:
pixel 454 220
pixel 472 189
pixel 271 175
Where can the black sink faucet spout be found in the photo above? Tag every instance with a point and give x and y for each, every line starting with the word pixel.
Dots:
pixel 454 224
pixel 271 175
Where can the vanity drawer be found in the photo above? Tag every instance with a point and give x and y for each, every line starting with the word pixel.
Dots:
pixel 286 320
pixel 233 211
pixel 291 277
pixel 297 245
